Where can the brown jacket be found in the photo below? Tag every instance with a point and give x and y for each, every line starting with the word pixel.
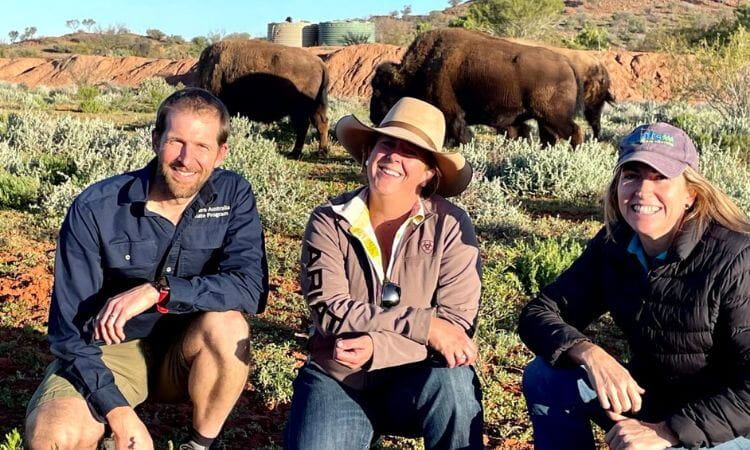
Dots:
pixel 437 267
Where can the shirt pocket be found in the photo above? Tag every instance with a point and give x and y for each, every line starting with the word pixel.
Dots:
pixel 200 250
pixel 134 259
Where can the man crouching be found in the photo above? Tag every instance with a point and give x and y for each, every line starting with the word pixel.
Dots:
pixel 153 272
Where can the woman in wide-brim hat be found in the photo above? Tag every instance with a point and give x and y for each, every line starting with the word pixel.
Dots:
pixel 390 273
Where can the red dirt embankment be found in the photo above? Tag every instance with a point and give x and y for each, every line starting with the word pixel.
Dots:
pixel 635 75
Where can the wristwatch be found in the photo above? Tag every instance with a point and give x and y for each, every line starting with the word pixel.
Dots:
pixel 162 285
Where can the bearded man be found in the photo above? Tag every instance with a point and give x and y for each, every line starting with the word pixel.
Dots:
pixel 154 273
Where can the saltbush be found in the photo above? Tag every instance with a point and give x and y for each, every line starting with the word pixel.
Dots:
pixel 273 372
pixel 284 199
pixel 558 171
pixel 539 261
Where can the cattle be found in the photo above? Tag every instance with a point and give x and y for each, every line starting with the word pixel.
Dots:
pixel 265 82
pixel 477 79
pixel 594 76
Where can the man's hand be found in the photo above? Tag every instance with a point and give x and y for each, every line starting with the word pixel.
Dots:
pixel 618 392
pixel 452 342
pixel 129 432
pixel 110 322
pixel 354 352
pixel 632 434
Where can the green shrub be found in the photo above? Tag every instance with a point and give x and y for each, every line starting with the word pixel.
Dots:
pixel 12 441
pixel 592 37
pixel 18 192
pixel 718 74
pixel 152 91
pixel 516 18
pixel 273 372
pixel 540 261
pixel 89 99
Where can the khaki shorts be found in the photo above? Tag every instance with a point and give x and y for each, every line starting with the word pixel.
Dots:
pixel 140 367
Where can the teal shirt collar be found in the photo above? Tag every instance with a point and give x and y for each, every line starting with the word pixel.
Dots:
pixel 635 247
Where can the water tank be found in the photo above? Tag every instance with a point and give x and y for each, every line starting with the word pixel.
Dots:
pixel 345 32
pixel 293 34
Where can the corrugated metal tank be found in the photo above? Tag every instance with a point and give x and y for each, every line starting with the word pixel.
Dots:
pixel 345 32
pixel 293 34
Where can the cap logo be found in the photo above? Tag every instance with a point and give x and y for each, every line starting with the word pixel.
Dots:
pixel 652 137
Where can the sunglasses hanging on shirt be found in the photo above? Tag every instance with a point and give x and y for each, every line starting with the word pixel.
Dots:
pixel 391 294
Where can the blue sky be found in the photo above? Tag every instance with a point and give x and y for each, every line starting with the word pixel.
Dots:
pixel 191 18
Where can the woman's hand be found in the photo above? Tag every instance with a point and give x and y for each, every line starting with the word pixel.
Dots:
pixel 633 434
pixel 618 392
pixel 452 342
pixel 353 352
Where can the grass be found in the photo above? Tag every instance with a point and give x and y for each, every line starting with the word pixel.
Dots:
pixel 533 208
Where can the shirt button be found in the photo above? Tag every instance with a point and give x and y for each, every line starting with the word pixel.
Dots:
pixel 127 257
pixel 169 269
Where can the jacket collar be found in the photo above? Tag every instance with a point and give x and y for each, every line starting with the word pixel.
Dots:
pixel 681 247
pixel 350 205
pixel 137 190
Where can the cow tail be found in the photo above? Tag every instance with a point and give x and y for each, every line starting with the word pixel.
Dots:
pixel 322 98
pixel 580 93
pixel 608 97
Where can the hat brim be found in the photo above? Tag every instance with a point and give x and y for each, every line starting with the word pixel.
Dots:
pixel 662 164
pixel 355 137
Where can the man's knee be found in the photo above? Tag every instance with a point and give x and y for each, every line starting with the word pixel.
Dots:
pixel 63 424
pixel 222 332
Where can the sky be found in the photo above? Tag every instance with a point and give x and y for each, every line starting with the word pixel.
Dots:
pixel 190 18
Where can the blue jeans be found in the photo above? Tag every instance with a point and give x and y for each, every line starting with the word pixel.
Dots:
pixel 562 405
pixel 443 405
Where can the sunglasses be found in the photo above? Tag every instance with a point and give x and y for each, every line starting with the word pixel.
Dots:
pixel 391 295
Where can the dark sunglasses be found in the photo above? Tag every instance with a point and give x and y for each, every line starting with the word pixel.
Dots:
pixel 391 295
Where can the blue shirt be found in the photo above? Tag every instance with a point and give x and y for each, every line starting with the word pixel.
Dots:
pixel 214 260
pixel 636 247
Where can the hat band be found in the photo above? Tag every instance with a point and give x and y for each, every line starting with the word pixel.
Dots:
pixel 413 129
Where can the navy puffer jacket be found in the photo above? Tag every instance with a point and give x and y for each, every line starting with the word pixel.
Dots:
pixel 687 322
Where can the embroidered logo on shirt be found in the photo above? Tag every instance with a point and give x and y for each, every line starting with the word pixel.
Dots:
pixel 213 212
pixel 426 246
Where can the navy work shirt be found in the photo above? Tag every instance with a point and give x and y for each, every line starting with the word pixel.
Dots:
pixel 214 260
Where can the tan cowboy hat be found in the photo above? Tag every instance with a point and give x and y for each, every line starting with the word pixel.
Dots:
pixel 416 122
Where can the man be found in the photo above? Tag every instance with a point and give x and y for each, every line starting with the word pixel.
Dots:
pixel 153 272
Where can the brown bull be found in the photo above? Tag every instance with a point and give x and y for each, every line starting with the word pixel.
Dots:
pixel 266 82
pixel 476 79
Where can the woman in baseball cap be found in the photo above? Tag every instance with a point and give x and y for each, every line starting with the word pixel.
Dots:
pixel 390 272
pixel 672 267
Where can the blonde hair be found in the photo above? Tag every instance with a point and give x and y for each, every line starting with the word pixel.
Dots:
pixel 710 205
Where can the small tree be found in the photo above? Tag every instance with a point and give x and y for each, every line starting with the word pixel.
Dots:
pixel 156 34
pixel 13 36
pixel 72 24
pixel 718 74
pixel 405 11
pixel 516 18
pixel 28 33
pixel 454 3
pixel 215 36
pixel 88 24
